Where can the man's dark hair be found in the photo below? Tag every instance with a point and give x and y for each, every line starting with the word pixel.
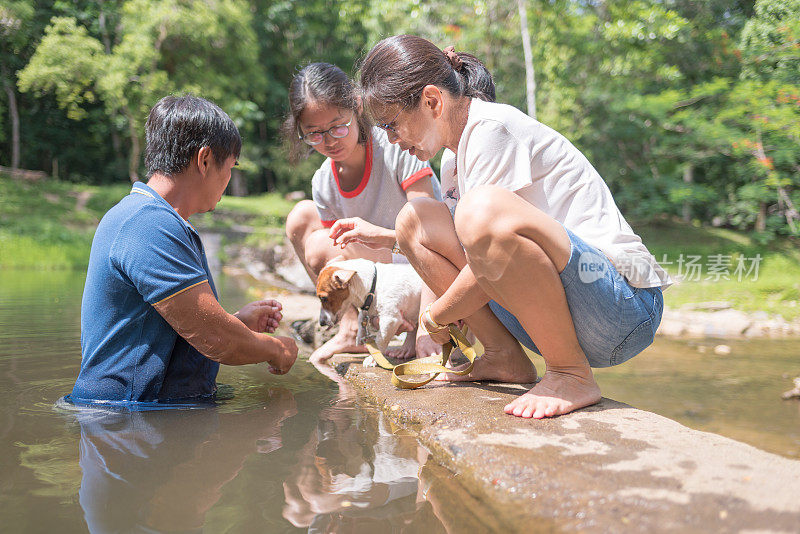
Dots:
pixel 179 126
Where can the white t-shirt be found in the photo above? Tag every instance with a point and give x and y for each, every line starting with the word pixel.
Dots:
pixel 503 146
pixel 381 194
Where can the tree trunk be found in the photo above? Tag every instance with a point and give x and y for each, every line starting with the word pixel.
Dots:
pixel 14 114
pixel 530 81
pixel 136 150
pixel 688 178
pixel 238 185
pixel 761 220
pixel 116 142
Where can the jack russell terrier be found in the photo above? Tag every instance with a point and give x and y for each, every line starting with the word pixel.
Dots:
pixel 386 294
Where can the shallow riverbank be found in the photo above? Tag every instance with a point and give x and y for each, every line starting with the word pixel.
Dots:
pixel 720 320
pixel 278 266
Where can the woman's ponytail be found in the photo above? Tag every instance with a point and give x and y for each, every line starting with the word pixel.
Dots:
pixel 396 70
pixel 478 82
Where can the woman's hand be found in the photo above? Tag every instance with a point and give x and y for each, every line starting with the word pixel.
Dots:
pixel 357 230
pixel 439 333
pixel 261 316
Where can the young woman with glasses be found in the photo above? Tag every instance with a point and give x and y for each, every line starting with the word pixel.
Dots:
pixel 538 252
pixel 357 192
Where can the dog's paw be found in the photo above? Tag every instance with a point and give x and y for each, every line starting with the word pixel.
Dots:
pixel 369 361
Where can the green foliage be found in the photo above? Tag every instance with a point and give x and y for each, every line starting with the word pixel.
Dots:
pixel 771 42
pixel 51 224
pixel 775 290
pixel 67 63
pixel 685 108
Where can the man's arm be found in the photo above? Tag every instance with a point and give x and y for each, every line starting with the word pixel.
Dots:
pixel 197 317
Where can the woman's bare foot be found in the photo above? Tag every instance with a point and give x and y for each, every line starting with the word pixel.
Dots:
pixel 557 393
pixel 501 365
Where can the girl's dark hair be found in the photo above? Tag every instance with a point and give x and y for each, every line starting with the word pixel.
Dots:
pixel 322 83
pixel 397 69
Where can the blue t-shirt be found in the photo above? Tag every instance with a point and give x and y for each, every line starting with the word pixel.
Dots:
pixel 143 253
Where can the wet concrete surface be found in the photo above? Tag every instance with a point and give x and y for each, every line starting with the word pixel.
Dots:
pixel 607 468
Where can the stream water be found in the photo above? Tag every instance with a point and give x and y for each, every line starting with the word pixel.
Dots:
pixel 283 454
pixel 298 452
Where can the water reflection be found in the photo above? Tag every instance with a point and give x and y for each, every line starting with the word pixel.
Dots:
pixel 353 469
pixel 163 470
pixel 281 454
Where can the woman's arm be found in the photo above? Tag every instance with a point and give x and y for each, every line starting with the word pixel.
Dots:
pixel 463 298
pixel 425 344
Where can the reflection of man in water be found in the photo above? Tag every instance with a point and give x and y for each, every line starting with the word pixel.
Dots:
pixel 163 470
pixel 151 326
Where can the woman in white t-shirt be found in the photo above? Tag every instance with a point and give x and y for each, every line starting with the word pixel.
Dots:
pixel 537 252
pixel 357 192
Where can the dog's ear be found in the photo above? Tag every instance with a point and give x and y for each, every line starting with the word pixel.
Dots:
pixel 341 278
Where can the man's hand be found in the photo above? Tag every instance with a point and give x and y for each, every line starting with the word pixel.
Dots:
pixel 283 361
pixel 197 317
pixel 357 230
pixel 261 316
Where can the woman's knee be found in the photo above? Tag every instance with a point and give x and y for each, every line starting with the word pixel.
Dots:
pixel 480 215
pixel 303 218
pixel 415 216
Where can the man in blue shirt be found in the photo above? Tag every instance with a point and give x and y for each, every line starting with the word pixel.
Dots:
pixel 152 329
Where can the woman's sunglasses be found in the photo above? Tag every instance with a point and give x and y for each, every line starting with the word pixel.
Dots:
pixel 315 138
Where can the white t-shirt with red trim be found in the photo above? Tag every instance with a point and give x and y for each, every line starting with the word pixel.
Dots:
pixel 389 171
pixel 503 146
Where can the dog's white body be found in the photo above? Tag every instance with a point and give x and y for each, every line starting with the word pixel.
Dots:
pixel 396 300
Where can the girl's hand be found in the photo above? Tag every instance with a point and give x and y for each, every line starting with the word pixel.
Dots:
pixel 357 230
pixel 426 346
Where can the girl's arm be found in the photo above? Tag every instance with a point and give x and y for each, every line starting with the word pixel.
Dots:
pixel 357 230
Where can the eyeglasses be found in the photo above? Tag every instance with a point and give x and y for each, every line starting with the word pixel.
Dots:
pixel 389 126
pixel 315 138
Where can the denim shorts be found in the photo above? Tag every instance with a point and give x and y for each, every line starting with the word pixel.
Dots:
pixel 613 320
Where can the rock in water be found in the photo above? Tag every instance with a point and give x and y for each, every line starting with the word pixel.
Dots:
pixel 793 393
pixel 305 330
pixel 309 331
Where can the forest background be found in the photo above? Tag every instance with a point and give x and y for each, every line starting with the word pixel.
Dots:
pixel 688 109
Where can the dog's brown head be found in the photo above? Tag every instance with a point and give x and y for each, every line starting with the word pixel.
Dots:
pixel 334 293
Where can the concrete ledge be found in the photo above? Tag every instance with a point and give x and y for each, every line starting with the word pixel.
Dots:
pixel 610 467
